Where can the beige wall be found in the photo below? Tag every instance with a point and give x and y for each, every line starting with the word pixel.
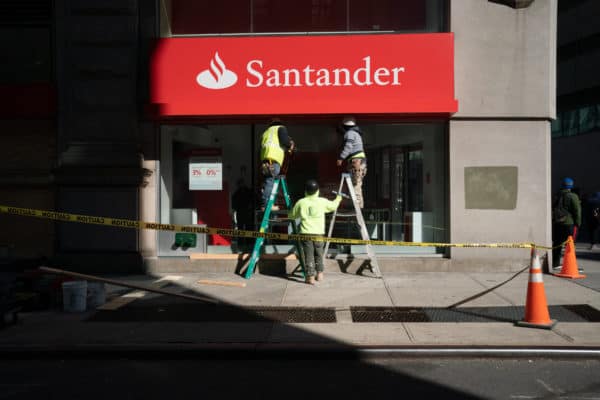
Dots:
pixel 505 59
pixel 149 210
pixel 524 144
pixel 505 83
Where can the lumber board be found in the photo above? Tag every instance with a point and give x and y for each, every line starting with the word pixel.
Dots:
pixel 221 283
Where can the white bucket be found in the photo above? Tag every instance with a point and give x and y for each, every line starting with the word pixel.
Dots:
pixel 96 295
pixel 74 296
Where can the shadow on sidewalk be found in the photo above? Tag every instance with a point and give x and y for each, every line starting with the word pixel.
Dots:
pixel 314 364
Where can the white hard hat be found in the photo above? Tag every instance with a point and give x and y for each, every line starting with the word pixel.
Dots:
pixel 349 121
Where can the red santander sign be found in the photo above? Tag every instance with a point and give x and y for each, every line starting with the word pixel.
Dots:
pixel 286 75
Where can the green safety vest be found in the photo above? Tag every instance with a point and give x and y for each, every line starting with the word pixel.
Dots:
pixel 269 146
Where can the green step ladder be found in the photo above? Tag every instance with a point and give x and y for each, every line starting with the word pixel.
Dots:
pixel 264 225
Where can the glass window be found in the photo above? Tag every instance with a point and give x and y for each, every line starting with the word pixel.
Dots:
pixel 388 15
pixel 203 17
pixel 299 15
pixel 555 127
pixel 404 189
pixel 588 118
pixel 575 122
pixel 570 123
pixel 194 17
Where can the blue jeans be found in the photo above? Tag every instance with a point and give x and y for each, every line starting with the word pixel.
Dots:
pixel 268 179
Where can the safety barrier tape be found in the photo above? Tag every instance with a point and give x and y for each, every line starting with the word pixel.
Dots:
pixel 136 224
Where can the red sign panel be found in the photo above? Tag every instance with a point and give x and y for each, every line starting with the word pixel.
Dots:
pixel 287 75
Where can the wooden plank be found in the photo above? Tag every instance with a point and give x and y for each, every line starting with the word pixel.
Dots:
pixel 125 284
pixel 278 256
pixel 116 303
pixel 244 257
pixel 221 283
pixel 207 256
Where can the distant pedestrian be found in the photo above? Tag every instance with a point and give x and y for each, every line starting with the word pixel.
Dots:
pixel 566 218
pixel 311 211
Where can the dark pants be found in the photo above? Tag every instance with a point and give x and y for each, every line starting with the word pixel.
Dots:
pixel 560 233
pixel 268 179
pixel 313 256
pixel 593 226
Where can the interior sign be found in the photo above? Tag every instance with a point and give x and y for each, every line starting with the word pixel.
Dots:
pixel 205 175
pixel 286 75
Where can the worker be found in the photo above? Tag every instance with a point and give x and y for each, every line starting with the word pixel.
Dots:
pixel 353 153
pixel 566 219
pixel 274 143
pixel 311 210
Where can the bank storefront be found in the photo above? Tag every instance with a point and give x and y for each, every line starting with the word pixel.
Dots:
pixel 215 95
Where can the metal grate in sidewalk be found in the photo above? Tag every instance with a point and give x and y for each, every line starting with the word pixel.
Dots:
pixel 297 315
pixel 566 313
pixel 585 311
pixel 184 311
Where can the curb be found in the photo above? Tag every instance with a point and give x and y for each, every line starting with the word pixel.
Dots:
pixel 287 350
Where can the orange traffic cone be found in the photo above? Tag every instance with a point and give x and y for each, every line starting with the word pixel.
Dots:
pixel 570 268
pixel 536 307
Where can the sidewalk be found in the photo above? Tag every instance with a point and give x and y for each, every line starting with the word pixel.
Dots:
pixel 402 310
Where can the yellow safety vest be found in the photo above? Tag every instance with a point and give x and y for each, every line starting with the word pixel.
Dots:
pixel 311 210
pixel 269 147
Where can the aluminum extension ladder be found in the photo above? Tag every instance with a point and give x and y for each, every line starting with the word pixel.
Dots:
pixel 360 221
pixel 264 225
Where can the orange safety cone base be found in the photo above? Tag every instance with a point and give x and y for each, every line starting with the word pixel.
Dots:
pixel 570 269
pixel 526 324
pixel 536 306
pixel 578 276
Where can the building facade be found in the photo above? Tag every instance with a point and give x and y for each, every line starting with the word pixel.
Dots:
pixel 454 99
pixel 576 130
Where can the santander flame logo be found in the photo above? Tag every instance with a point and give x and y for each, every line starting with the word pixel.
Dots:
pixel 217 76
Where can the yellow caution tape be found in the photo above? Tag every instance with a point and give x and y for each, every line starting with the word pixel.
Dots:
pixel 135 224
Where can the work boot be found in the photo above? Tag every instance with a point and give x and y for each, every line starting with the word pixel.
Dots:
pixel 319 276
pixel 310 280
